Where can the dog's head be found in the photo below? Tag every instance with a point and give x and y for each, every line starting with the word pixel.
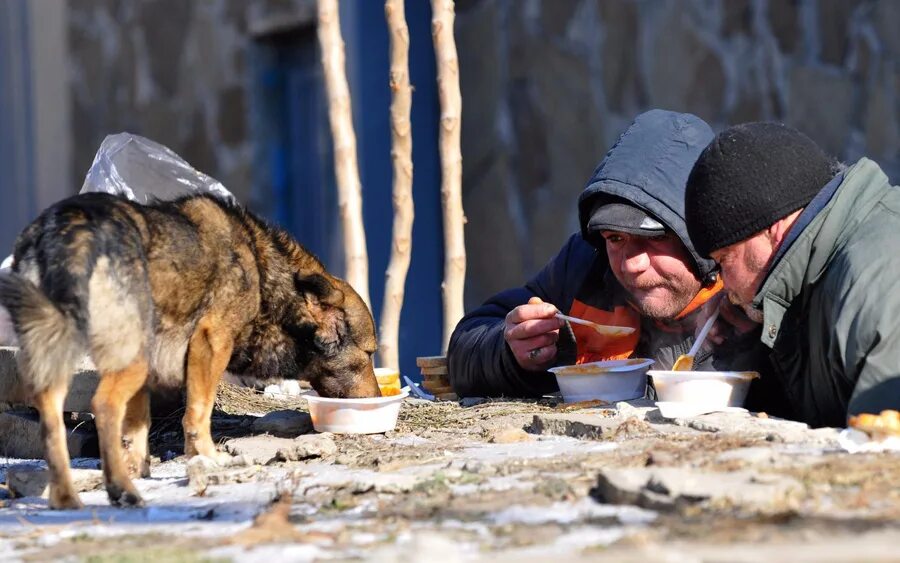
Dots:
pixel 339 363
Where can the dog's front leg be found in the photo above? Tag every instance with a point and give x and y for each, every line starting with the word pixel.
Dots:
pixel 208 354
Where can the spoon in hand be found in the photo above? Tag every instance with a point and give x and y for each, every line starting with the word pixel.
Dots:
pixel 685 362
pixel 602 329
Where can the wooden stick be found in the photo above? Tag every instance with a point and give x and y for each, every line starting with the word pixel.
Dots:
pixel 401 154
pixel 340 116
pixel 451 164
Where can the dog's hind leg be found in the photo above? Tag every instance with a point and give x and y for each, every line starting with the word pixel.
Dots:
pixel 119 316
pixel 49 403
pixel 135 432
pixel 50 344
pixel 115 390
pixel 209 352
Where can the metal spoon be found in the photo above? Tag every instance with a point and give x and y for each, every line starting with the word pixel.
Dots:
pixel 602 329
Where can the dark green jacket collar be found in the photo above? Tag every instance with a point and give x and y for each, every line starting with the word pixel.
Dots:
pixel 809 255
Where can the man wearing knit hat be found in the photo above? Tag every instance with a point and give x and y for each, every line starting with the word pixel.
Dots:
pixel 808 248
pixel 631 265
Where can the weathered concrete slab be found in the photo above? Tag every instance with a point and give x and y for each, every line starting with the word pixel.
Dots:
pixel 266 449
pixel 284 423
pixel 20 437
pixel 645 419
pixel 81 390
pixel 203 472
pixel 33 482
pixel 584 426
pixel 667 488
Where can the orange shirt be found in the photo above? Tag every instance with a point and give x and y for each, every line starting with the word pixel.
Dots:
pixel 593 346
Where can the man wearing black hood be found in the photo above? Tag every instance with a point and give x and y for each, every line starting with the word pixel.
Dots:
pixel 632 265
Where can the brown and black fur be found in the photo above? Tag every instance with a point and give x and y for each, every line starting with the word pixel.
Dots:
pixel 171 294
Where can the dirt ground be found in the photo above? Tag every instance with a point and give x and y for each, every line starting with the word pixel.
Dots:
pixel 490 481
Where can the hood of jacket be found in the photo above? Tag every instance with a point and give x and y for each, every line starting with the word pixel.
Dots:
pixel 649 166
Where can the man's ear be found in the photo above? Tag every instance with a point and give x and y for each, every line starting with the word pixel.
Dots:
pixel 777 232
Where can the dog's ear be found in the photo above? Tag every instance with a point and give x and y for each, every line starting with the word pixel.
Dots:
pixel 324 303
pixel 320 287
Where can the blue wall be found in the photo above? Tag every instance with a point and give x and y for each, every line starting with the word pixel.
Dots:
pixel 366 36
pixel 294 181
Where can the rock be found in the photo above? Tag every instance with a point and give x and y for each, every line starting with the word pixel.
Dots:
pixel 667 488
pixel 632 427
pixel 626 410
pixel 822 105
pixel 203 472
pixel 261 449
pixel 467 402
pixel 198 469
pixel 586 426
pixel 882 133
pixel 306 447
pixel 34 482
pixel 686 72
pixel 20 436
pixel 621 69
pixel 81 388
pixel 384 483
pixel 701 425
pixel 284 423
pixel 509 435
pixel 753 456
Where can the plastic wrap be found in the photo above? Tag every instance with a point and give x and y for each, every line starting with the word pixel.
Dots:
pixel 142 170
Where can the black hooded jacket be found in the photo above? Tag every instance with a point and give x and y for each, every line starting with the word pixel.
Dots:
pixel 648 166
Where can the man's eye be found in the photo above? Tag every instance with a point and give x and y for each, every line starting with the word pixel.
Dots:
pixel 659 238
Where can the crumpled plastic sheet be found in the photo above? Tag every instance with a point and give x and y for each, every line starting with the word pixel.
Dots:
pixel 855 441
pixel 141 170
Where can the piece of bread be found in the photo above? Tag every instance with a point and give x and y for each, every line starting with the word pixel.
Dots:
pixel 877 425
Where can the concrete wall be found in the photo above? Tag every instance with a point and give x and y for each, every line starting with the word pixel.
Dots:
pixel 547 87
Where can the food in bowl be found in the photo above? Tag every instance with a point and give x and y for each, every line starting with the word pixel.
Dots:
pixel 705 388
pixel 355 416
pixel 610 380
pixel 388 381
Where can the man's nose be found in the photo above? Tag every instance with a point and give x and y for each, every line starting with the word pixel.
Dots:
pixel 635 262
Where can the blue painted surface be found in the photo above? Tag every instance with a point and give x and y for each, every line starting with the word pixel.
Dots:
pixel 17 158
pixel 294 179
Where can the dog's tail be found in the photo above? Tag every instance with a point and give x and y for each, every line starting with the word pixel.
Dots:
pixel 49 340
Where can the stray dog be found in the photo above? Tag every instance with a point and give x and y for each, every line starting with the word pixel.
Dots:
pixel 171 294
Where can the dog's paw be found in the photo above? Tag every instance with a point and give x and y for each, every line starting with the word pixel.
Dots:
pixel 124 497
pixel 64 501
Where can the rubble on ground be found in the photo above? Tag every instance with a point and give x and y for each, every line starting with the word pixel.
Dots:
pixel 496 480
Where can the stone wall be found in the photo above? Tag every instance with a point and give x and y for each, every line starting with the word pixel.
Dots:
pixel 547 87
pixel 174 71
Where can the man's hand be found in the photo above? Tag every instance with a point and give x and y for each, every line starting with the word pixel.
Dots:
pixel 531 332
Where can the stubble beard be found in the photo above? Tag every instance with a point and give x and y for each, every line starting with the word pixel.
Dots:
pixel 661 308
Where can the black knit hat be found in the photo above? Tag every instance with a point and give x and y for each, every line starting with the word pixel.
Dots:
pixel 749 177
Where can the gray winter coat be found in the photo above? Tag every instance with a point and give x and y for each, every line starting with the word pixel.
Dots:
pixel 831 304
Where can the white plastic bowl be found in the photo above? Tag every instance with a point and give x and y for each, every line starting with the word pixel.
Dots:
pixel 355 416
pixel 611 380
pixel 709 389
